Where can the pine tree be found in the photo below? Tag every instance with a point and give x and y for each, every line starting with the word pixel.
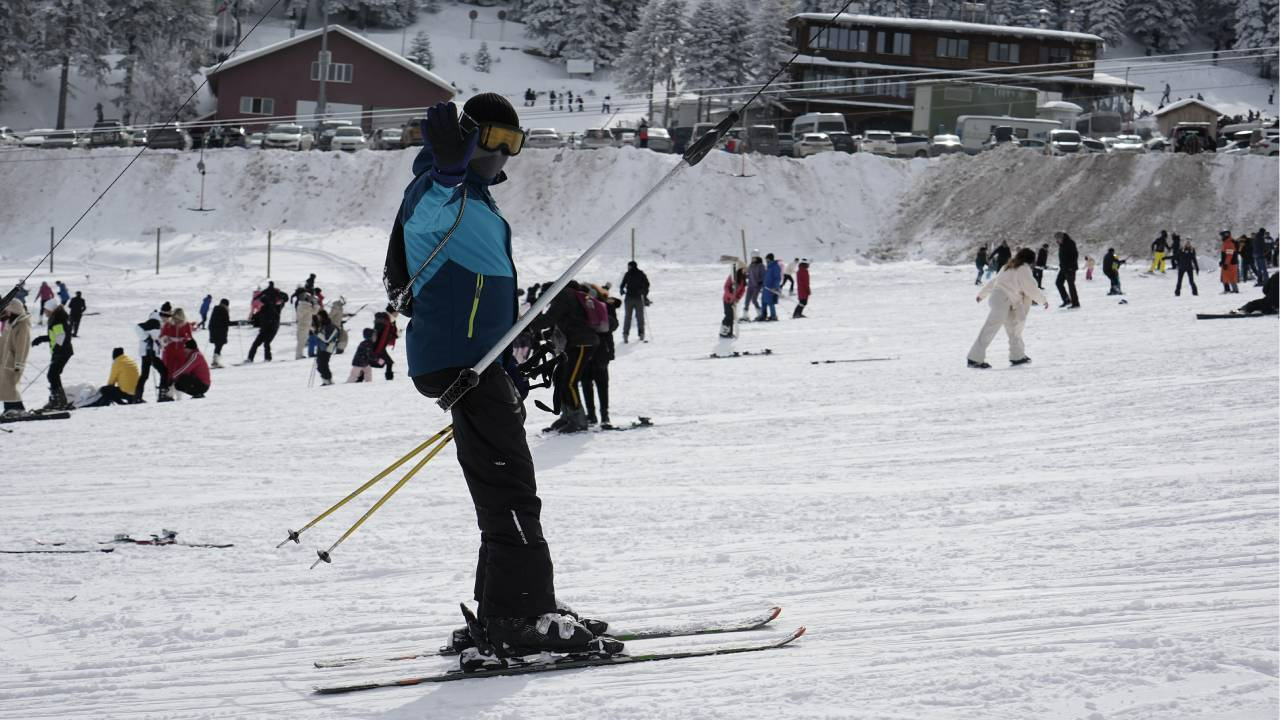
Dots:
pixel 596 30
pixel 75 34
pixel 162 81
pixel 420 50
pixel 544 21
pixel 134 23
pixel 17 38
pixel 1106 18
pixel 705 56
pixel 484 62
pixel 431 6
pixel 1147 22
pixel 1255 27
pixel 636 68
pixel 770 39
pixel 1183 20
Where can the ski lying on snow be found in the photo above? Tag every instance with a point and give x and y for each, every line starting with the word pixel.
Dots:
pixel 548 662
pixel 56 552
pixel 1226 316
pixel 741 353
pixel 746 624
pixel 36 415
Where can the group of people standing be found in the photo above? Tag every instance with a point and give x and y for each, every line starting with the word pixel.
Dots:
pixel 760 285
pixel 60 313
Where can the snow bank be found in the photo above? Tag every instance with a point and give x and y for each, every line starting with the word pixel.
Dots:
pixel 1101 200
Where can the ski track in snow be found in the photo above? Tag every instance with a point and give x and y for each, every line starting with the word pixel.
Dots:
pixel 1092 536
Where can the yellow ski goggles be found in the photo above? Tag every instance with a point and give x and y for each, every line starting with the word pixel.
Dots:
pixel 494 137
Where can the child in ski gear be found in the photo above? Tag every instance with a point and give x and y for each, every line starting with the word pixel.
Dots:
pixel 735 287
pixel 1068 263
pixel 1013 292
pixel 15 344
pixel 635 291
pixel 1158 249
pixel 772 289
pixel 327 335
pixel 77 308
pixel 219 324
pixel 192 375
pixel 1111 268
pixel 467 297
pixel 122 382
pixel 361 361
pixel 59 339
pixel 802 280
pixel 1227 263
pixel 204 311
pixel 755 281
pixel 385 334
pixel 1088 267
pixel 1187 265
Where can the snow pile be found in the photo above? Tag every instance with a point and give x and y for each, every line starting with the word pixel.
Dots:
pixel 1101 200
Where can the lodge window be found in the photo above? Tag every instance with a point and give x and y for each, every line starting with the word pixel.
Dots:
pixel 1002 52
pixel 838 38
pixel 338 72
pixel 257 106
pixel 953 48
pixel 1054 55
pixel 893 43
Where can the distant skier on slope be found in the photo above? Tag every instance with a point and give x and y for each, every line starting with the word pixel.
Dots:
pixel 802 281
pixel 1013 292
pixel 1188 265
pixel 467 301
pixel 1111 269
pixel 735 286
pixel 635 291
pixel 981 262
pixel 755 281
pixel 772 289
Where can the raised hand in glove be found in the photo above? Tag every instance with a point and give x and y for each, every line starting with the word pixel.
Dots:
pixel 451 150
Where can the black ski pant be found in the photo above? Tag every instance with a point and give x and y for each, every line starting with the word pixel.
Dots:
pixel 1038 274
pixel 978 281
pixel 75 323
pixel 1191 277
pixel 569 370
pixel 788 279
pixel 1067 280
pixel 322 364
pixel 514 574
pixel 800 306
pixel 191 386
pixel 150 361
pixel 110 395
pixel 54 375
pixel 217 347
pixel 727 323
pixel 596 377
pixel 266 334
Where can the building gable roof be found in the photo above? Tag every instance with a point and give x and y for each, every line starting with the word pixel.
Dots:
pixel 403 62
pixel 944 26
pixel 1184 103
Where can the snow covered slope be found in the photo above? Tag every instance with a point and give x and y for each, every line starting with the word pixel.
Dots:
pixel 1090 536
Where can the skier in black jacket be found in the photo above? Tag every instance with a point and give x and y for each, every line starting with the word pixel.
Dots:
pixel 1068 263
pixel 1185 261
pixel 59 339
pixel 1000 256
pixel 1042 262
pixel 566 315
pixel 597 375
pixel 1111 268
pixel 981 262
pixel 268 320
pixel 635 288
pixel 219 323
pixel 77 307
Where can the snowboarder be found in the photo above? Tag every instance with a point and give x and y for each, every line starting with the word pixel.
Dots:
pixel 459 160
pixel 77 307
pixel 122 382
pixel 327 335
pixel 219 323
pixel 1111 269
pixel 1227 261
pixel 802 279
pixel 635 290
pixel 307 308
pixel 1042 262
pixel 1013 292
pixel 755 281
pixel 192 376
pixel 362 359
pixel 772 289
pixel 60 350
pixel 15 344
pixel 1188 265
pixel 1068 263
pixel 981 263
pixel 735 286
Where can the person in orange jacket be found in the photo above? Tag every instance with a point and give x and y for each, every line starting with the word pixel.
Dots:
pixel 1227 262
pixel 735 288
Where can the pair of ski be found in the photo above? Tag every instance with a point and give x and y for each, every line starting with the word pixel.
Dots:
pixel 741 353
pixel 549 662
pixel 36 415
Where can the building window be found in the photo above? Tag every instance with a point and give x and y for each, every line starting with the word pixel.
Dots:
pixel 893 43
pixel 257 106
pixel 957 94
pixel 953 48
pixel 338 72
pixel 1055 55
pixel 838 38
pixel 1002 52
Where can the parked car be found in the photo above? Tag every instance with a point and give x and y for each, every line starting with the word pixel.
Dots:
pixel 1063 142
pixel 1128 144
pixel 139 136
pixel 1089 145
pixel 660 140
pixel 1267 142
pixel 786 145
pixel 1184 130
pixel 34 138
pixel 1158 144
pixel 110 133
pixel 762 139
pixel 169 138
pixel 542 138
pixel 61 139
pixel 595 139
pixel 910 146
pixel 9 137
pixel 349 138
pixel 1236 147
pixel 255 140
pixel 326 131
pixel 843 142
pixel 1033 144
pixel 287 136
pixel 386 138
pixel 945 145
pixel 412 133
pixel 624 136
pixel 879 142
pixel 812 144
pixel 225 136
pixel 199 135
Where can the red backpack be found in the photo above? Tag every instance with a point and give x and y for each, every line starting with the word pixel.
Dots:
pixel 597 312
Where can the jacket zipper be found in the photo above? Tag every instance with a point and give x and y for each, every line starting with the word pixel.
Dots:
pixel 475 306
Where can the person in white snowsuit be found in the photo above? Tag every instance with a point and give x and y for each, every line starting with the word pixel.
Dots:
pixel 307 309
pixel 1013 292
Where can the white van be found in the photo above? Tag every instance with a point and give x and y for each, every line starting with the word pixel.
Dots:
pixel 818 123
pixel 974 130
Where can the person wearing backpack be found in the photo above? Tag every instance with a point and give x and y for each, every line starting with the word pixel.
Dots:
pixel 567 315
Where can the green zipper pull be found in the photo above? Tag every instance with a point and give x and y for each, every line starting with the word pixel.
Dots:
pixel 475 306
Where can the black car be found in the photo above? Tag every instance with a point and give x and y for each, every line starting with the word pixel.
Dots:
pixel 843 141
pixel 225 137
pixel 169 138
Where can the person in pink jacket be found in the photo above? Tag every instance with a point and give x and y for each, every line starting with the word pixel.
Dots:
pixel 735 287
pixel 1013 291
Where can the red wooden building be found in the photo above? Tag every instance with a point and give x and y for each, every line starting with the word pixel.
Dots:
pixel 367 83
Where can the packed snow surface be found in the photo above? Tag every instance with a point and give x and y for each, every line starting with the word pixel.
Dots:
pixel 1091 536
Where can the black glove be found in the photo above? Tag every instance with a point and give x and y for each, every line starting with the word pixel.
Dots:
pixel 451 150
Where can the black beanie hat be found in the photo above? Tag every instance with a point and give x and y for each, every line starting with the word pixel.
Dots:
pixel 491 107
pixel 116 352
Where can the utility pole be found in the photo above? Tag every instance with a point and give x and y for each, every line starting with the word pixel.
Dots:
pixel 323 63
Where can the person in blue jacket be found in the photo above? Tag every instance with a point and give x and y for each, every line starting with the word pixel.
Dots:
pixel 772 289
pixel 450 253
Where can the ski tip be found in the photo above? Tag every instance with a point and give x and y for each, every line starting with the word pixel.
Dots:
pixel 775 612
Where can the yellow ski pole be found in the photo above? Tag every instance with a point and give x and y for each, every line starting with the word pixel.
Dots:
pixel 324 554
pixel 294 534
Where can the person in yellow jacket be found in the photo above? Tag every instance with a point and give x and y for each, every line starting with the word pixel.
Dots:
pixel 122 382
pixel 15 344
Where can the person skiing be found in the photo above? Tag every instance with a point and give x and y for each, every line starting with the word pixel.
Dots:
pixel 1259 248
pixel 77 307
pixel 60 350
pixel 468 294
pixel 43 296
pixel 1068 263
pixel 802 280
pixel 219 324
pixel 735 286
pixel 1013 292
pixel 327 335
pixel 981 263
pixel 192 376
pixel 1187 265
pixel 568 316
pixel 772 289
pixel 1042 262
pixel 755 281
pixel 1111 269
pixel 385 334
pixel 267 319
pixel 635 293
pixel 64 295
pixel 15 345
pixel 122 382
pixel 1159 247
pixel 204 311
pixel 307 308
pixel 1000 256
pixel 1227 263
pixel 596 376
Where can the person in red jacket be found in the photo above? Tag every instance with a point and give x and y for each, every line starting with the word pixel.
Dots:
pixel 735 287
pixel 174 335
pixel 802 287
pixel 192 375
